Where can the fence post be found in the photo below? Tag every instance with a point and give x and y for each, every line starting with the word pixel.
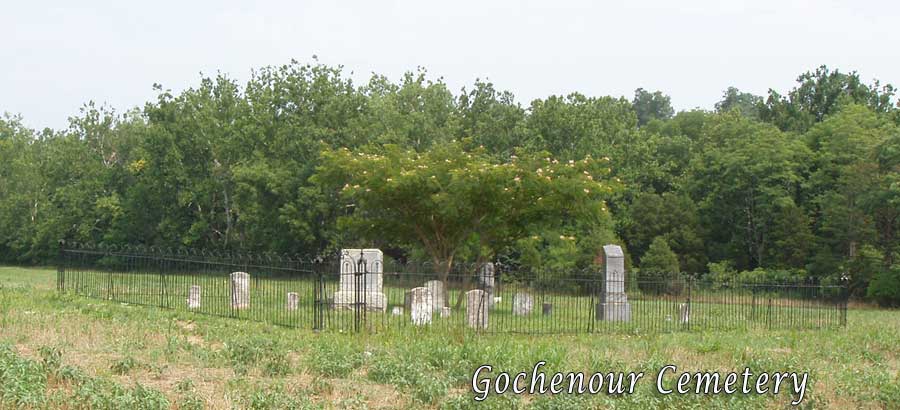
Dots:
pixel 845 297
pixel 61 268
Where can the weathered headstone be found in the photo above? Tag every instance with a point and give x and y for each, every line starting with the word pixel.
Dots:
pixel 477 309
pixel 240 290
pixel 486 282
pixel 293 300
pixel 397 311
pixel 420 309
pixel 685 311
pixel 194 297
pixel 547 309
pixel 613 306
pixel 523 304
pixel 445 311
pixel 361 279
pixel 438 296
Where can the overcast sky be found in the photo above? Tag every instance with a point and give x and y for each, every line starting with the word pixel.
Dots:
pixel 58 55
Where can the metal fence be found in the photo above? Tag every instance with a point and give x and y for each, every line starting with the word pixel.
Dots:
pixel 327 294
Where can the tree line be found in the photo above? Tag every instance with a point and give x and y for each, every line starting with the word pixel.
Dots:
pixel 301 160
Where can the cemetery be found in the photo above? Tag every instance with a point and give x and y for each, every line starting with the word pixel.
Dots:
pixel 360 292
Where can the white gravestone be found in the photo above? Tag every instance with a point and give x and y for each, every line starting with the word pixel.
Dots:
pixel 438 296
pixel 613 306
pixel 194 297
pixel 685 313
pixel 370 279
pixel 293 300
pixel 396 311
pixel 445 311
pixel 523 303
pixel 486 282
pixel 420 306
pixel 240 290
pixel 477 309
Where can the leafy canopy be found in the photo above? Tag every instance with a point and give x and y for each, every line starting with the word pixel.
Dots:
pixel 452 198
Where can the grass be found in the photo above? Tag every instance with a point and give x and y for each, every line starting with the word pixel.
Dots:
pixel 62 351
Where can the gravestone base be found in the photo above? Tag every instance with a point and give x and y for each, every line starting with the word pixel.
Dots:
pixel 373 300
pixel 614 312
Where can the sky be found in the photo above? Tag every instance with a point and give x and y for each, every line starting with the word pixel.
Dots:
pixel 58 55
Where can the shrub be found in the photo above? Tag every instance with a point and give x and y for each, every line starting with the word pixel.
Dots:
pixel 885 287
pixel 660 271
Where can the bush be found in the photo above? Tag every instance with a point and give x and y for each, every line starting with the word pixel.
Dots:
pixel 885 287
pixel 660 271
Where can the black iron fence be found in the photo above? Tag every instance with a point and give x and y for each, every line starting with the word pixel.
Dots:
pixel 353 293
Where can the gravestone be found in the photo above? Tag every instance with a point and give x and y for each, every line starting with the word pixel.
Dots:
pixel 438 296
pixel 477 309
pixel 365 267
pixel 445 311
pixel 240 290
pixel 396 311
pixel 194 297
pixel 613 306
pixel 547 309
pixel 523 303
pixel 421 305
pixel 685 310
pixel 486 282
pixel 293 300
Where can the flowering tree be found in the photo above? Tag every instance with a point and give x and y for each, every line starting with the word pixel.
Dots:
pixel 453 196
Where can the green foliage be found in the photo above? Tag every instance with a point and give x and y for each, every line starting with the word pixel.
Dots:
pixel 651 106
pixel 124 365
pixel 247 353
pixel 22 381
pixel 331 359
pixel 659 269
pixel 451 197
pixel 885 287
pixel 807 180
pixel 746 104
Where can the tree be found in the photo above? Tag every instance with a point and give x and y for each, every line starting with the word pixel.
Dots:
pixel 745 179
pixel 455 198
pixel 745 103
pixel 821 93
pixel 671 217
pixel 576 126
pixel 659 271
pixel 651 106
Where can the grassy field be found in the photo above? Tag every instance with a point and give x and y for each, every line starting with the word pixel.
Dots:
pixel 61 351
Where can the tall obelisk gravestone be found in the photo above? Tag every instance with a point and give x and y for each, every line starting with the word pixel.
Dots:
pixel 613 306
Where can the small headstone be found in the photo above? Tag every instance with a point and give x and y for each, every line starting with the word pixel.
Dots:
pixel 486 282
pixel 421 302
pixel 397 311
pixel 477 309
pixel 194 297
pixel 293 300
pixel 240 290
pixel 685 310
pixel 445 311
pixel 547 309
pixel 438 296
pixel 523 303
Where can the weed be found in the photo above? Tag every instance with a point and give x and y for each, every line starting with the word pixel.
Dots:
pixel 124 365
